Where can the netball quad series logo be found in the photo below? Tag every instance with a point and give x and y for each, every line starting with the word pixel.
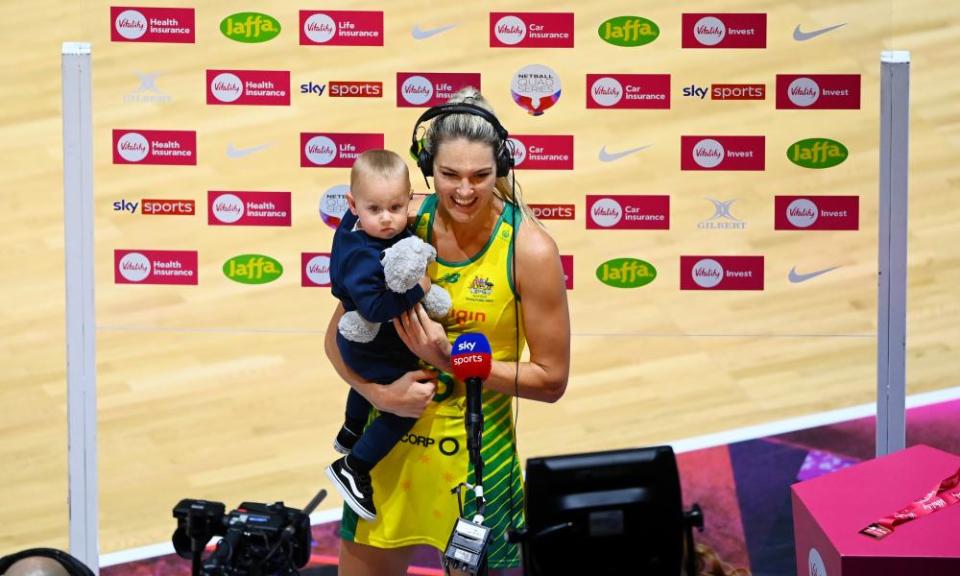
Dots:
pixel 335 149
pixel 628 212
pixel 722 152
pixel 250 27
pixel 817 213
pixel 248 208
pixel 636 91
pixel 341 28
pixel 169 25
pixel 170 147
pixel 252 87
pixel 628 31
pixel 626 273
pixel 425 89
pixel 542 152
pixel 333 205
pixel 155 267
pixel 315 269
pixel 535 88
pixel 531 29
pixel 724 30
pixel 817 153
pixel 818 91
pixel 721 272
pixel 252 269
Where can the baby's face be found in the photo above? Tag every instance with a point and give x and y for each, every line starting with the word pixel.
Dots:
pixel 380 203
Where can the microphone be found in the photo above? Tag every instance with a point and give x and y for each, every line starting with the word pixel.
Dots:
pixel 470 361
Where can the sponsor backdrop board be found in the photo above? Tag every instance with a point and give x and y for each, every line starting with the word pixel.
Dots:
pixel 708 173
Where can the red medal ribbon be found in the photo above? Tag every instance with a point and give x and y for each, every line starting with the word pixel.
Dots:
pixel 945 494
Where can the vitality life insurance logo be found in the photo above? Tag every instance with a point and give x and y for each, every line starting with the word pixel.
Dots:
pixel 721 272
pixel 817 213
pixel 634 91
pixel 252 87
pixel 542 152
pixel 170 147
pixel 315 269
pixel 818 91
pixel 335 150
pixel 531 29
pixel 722 152
pixel 626 212
pixel 155 267
pixel 425 89
pixel 169 25
pixel 341 28
pixel 724 30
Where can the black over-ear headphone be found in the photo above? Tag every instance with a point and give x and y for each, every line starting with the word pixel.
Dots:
pixel 73 566
pixel 503 152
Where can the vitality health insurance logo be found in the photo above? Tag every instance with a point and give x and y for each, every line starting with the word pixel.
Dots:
pixel 250 27
pixel 541 151
pixel 425 89
pixel 335 150
pixel 169 147
pixel 818 91
pixel 817 213
pixel 626 273
pixel 252 269
pixel 140 24
pixel 333 205
pixel 634 91
pixel 155 267
pixel 535 88
pixel 721 272
pixel 233 208
pixel 341 28
pixel 817 153
pixel 531 29
pixel 628 31
pixel 315 269
pixel 724 30
pixel 722 152
pixel 250 87
pixel 628 212
pixel 554 211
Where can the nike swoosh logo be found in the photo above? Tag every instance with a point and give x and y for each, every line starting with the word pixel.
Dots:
pixel 804 36
pixel 241 152
pixel 613 156
pixel 795 277
pixel 424 34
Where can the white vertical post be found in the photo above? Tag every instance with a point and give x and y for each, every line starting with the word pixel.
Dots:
pixel 81 327
pixel 892 293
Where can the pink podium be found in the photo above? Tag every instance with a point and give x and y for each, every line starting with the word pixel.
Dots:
pixel 830 511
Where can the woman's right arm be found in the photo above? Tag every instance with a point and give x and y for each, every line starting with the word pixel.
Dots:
pixel 406 396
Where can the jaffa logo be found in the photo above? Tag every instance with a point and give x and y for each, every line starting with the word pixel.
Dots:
pixel 817 153
pixel 626 273
pixel 250 27
pixel 252 269
pixel 333 205
pixel 535 88
pixel 628 31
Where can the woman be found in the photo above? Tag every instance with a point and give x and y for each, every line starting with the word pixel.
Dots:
pixel 504 274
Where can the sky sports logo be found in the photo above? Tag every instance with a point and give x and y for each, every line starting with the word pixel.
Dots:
pixel 531 29
pixel 628 212
pixel 724 30
pixel 542 152
pixel 167 25
pixel 335 150
pixel 722 152
pixel 425 89
pixel 315 269
pixel 818 91
pixel 727 91
pixel 817 213
pixel 341 28
pixel 168 147
pixel 344 89
pixel 248 208
pixel 633 91
pixel 554 211
pixel 156 207
pixel 250 87
pixel 721 272
pixel 155 267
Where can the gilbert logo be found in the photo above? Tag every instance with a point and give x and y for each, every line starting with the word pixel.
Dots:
pixel 335 150
pixel 721 272
pixel 155 267
pixel 251 87
pixel 626 273
pixel 333 205
pixel 252 269
pixel 554 211
pixel 628 31
pixel 531 29
pixel 170 147
pixel 425 89
pixel 818 91
pixel 722 218
pixel 817 153
pixel 722 152
pixel 542 152
pixel 817 213
pixel 635 91
pixel 248 208
pixel 341 28
pixel 141 24
pixel 724 30
pixel 315 269
pixel 628 212
pixel 250 27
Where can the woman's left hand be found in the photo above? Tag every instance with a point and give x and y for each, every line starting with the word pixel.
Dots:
pixel 424 337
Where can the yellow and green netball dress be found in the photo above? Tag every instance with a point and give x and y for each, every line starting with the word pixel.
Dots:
pixel 412 484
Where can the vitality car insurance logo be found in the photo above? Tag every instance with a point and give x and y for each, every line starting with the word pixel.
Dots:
pixel 628 212
pixel 818 91
pixel 335 150
pixel 531 29
pixel 628 91
pixel 314 269
pixel 542 152
pixel 566 261
pixel 817 213
pixel 721 272
pixel 722 152
pixel 232 208
pixel 171 147
pixel 425 89
pixel 155 267
pixel 724 30
pixel 170 25
pixel 341 28
pixel 554 211
pixel 252 87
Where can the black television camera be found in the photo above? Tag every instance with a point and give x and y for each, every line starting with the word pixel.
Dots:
pixel 258 539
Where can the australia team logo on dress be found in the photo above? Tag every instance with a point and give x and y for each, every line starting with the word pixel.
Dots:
pixel 531 29
pixel 724 30
pixel 481 288
pixel 140 24
pixel 341 28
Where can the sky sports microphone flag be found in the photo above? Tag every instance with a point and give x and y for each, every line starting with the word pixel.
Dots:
pixel 470 357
